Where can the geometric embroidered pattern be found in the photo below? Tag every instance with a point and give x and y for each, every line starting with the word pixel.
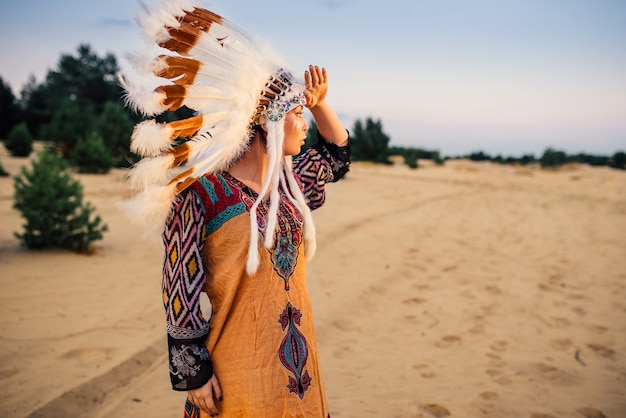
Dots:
pixel 191 410
pixel 184 333
pixel 183 271
pixel 323 163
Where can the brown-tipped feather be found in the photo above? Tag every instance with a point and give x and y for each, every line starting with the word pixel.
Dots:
pixel 186 128
pixel 180 153
pixel 185 183
pixel 183 70
pixel 203 18
pixel 174 96
pixel 192 24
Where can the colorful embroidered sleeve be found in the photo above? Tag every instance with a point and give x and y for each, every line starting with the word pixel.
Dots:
pixel 183 281
pixel 323 163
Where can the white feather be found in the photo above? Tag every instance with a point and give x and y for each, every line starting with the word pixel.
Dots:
pixel 141 97
pixel 150 138
pixel 151 171
pixel 275 137
pixel 151 206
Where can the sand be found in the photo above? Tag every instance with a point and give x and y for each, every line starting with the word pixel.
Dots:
pixel 468 290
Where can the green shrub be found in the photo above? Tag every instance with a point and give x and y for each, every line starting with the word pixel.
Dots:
pixel 51 202
pixel 619 160
pixel 553 158
pixel 410 159
pixel 91 155
pixel 19 143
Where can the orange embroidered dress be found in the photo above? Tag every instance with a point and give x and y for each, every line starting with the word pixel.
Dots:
pixel 260 340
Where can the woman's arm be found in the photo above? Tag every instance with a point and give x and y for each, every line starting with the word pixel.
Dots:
pixel 191 368
pixel 328 124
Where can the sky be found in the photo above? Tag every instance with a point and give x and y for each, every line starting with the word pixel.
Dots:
pixel 508 77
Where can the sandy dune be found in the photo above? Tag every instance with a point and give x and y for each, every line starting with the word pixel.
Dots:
pixel 469 290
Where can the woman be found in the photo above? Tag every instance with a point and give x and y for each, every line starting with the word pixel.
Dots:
pixel 261 339
pixel 238 226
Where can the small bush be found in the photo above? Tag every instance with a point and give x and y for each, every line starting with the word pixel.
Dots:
pixel 91 155
pixel 51 201
pixel 410 159
pixel 19 143
pixel 437 159
pixel 553 158
pixel 619 160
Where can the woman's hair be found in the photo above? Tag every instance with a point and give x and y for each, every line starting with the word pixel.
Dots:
pixel 257 130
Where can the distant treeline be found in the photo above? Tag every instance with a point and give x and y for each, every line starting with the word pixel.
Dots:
pixel 77 110
pixel 553 158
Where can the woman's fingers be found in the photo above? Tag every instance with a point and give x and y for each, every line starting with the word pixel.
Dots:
pixel 204 397
pixel 217 389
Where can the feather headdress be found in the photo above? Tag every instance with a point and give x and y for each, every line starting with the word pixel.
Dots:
pixel 233 82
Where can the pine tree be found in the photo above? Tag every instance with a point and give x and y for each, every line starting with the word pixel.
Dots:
pixel 69 123
pixel 115 127
pixel 9 109
pixel 369 142
pixel 19 142
pixel 91 155
pixel 51 201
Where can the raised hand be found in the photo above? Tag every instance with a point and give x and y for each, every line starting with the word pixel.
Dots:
pixel 316 83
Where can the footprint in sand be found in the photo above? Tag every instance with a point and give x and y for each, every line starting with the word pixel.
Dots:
pixel 379 290
pixel 477 329
pixel 449 340
pixel 588 412
pixel 578 296
pixel 500 346
pixel 541 415
pixel 413 319
pixel 561 343
pixel 553 374
pixel 598 329
pixel 6 373
pixel 435 410
pixel 347 326
pixel 413 301
pixel 343 352
pixel 492 289
pixel 423 370
pixel 559 322
pixel 499 377
pixel 484 404
pixel 489 396
pixel 495 360
pixel 602 350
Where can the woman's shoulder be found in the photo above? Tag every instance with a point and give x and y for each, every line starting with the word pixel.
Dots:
pixel 214 187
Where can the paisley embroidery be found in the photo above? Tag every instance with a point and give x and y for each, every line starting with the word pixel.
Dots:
pixel 284 252
pixel 293 351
